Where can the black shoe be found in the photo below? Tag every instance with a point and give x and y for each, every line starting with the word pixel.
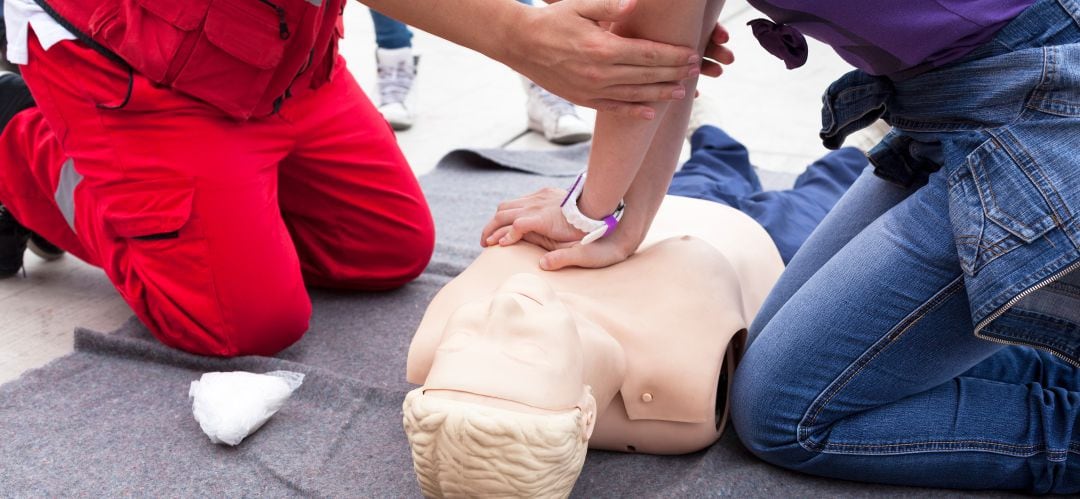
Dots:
pixel 13 238
pixel 14 97
pixel 43 248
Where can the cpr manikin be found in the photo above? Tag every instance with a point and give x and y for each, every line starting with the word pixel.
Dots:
pixel 522 369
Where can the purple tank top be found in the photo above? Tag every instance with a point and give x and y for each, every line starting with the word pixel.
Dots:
pixel 895 38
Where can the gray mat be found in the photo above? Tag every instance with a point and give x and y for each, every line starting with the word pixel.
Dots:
pixel 113 418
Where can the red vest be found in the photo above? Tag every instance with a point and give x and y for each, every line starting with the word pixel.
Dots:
pixel 242 56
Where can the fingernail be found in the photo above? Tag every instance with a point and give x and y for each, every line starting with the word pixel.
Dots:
pixel 623 4
pixel 678 93
pixel 649 114
pixel 694 71
pixel 544 263
pixel 694 59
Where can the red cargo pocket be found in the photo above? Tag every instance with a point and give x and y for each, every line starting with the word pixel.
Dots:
pixel 149 209
pixel 242 44
pixel 151 33
pixel 160 261
pixel 249 30
pixel 185 15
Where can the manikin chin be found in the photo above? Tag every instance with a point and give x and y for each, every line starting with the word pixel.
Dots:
pixel 523 370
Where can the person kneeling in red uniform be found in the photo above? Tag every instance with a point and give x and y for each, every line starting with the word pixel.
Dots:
pixel 215 157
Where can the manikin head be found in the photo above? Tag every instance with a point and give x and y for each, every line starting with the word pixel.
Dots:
pixel 504 410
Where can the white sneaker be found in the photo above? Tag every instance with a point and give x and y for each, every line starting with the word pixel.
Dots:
pixel 555 117
pixel 397 92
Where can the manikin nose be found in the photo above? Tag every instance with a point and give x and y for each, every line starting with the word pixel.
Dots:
pixel 532 286
pixel 506 306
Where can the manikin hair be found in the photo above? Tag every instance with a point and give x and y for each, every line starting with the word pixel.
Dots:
pixel 464 449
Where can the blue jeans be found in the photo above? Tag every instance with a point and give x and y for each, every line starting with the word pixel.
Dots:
pixel 863 363
pixel 393 34
pixel 863 366
pixel 719 170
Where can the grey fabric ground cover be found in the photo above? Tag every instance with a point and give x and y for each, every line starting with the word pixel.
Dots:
pixel 113 418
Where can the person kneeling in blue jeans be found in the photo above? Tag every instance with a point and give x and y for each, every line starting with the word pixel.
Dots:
pixel 927 332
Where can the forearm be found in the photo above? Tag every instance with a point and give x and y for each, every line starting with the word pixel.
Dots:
pixel 481 25
pixel 642 63
pixel 637 152
pixel 648 188
pixel 619 145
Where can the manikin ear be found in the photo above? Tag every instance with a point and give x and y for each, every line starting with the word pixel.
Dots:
pixel 587 405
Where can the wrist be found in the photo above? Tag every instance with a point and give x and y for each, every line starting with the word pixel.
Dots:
pixel 592 202
pixel 509 46
pixel 593 209
pixel 594 227
pixel 630 233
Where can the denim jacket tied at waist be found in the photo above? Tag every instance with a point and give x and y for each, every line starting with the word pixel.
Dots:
pixel 1003 125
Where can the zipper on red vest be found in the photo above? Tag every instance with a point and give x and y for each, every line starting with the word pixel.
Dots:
pixel 283 27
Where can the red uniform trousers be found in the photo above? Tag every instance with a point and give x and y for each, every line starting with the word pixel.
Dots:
pixel 207 226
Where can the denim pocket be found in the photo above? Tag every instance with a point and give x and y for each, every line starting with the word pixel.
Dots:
pixel 966 217
pixel 1059 91
pixel 994 207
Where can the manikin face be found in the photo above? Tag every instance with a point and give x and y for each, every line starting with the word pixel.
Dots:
pixel 520 345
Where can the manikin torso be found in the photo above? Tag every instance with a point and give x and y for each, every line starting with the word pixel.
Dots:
pixel 648 336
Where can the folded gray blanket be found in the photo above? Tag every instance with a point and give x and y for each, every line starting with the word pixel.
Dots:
pixel 113 418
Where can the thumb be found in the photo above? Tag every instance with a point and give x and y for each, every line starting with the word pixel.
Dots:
pixel 605 10
pixel 590 256
pixel 562 258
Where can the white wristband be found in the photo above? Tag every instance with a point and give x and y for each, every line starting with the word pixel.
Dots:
pixel 593 229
